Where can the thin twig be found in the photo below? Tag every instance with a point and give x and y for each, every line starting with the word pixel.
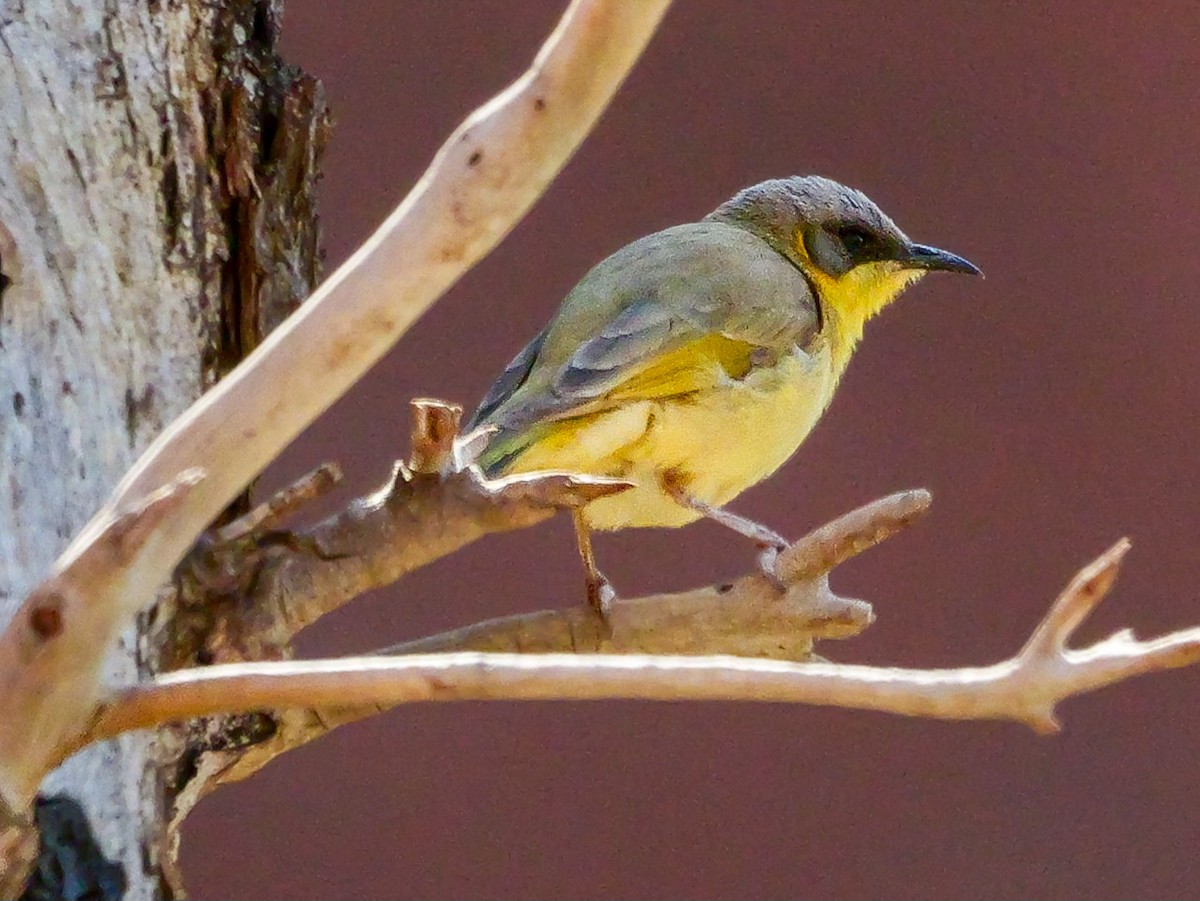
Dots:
pixel 849 535
pixel 1089 587
pixel 281 505
pixel 1025 688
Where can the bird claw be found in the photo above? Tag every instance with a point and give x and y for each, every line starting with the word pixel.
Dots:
pixel 768 560
pixel 600 597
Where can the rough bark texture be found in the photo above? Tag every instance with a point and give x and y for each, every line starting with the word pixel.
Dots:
pixel 157 164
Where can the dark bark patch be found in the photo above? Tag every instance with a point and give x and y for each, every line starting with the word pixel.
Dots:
pixel 168 186
pixel 267 125
pixel 5 284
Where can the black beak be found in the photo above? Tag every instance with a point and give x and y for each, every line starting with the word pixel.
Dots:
pixel 922 256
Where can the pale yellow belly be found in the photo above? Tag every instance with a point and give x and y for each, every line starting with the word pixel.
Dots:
pixel 722 441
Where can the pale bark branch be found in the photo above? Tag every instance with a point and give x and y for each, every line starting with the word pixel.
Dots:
pixel 270 514
pixel 747 617
pixel 482 181
pixel 49 671
pixel 1025 688
pixel 486 176
pixel 247 589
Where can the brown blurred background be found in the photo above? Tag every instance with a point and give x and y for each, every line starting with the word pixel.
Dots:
pixel 1050 408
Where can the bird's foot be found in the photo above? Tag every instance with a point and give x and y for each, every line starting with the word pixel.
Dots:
pixel 768 560
pixel 600 597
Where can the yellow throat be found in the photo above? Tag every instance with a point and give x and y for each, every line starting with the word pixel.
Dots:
pixel 850 300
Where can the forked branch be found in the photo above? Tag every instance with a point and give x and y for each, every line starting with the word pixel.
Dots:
pixel 247 589
pixel 747 617
pixel 256 590
pixel 1025 688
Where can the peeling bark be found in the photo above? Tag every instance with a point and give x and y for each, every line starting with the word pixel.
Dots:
pixel 157 218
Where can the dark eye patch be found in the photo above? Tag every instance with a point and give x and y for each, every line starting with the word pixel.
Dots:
pixel 859 242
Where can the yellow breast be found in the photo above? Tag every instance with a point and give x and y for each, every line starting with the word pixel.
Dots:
pixel 721 440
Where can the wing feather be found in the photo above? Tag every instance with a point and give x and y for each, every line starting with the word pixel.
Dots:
pixel 668 315
pixel 513 377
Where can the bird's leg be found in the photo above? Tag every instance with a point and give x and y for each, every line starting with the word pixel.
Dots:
pixel 600 593
pixel 769 542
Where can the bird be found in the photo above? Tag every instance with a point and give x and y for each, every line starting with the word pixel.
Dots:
pixel 693 363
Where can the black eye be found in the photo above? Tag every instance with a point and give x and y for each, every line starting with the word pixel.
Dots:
pixel 855 239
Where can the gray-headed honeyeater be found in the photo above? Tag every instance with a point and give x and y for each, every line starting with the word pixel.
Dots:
pixel 694 362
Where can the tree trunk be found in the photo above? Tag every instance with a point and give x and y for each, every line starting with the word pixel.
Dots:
pixel 157 164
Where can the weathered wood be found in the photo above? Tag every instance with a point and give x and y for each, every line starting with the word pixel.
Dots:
pixel 156 218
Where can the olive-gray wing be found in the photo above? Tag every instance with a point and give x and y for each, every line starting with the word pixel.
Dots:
pixel 513 377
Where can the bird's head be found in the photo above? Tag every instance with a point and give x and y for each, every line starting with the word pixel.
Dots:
pixel 856 258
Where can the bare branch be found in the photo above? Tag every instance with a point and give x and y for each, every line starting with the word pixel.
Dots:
pixel 485 177
pixel 434 431
pixel 265 595
pixel 272 512
pixel 49 668
pixel 245 599
pixel 1025 688
pixel 482 181
pixel 747 617
pixel 849 535
pixel 1089 587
